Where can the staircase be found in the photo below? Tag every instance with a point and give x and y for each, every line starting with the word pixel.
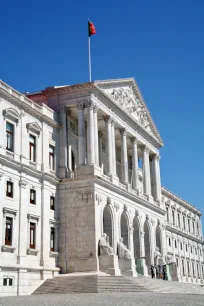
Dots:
pixel 89 284
pixel 158 285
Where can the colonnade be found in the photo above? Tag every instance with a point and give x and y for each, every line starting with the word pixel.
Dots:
pixel 151 169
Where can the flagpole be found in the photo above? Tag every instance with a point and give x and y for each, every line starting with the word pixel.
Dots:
pixel 89 48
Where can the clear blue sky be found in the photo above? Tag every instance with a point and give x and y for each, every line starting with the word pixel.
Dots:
pixel 160 43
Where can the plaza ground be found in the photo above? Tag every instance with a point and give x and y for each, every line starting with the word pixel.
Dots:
pixel 108 299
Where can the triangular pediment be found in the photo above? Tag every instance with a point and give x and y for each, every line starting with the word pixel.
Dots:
pixel 34 126
pixel 125 93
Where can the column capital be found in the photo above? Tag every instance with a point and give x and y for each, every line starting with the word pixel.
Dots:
pixel 133 140
pixel 96 108
pixel 90 104
pixel 113 121
pixel 123 131
pixel 80 106
pixel 107 119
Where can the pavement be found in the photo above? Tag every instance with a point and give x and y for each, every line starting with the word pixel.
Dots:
pixel 107 299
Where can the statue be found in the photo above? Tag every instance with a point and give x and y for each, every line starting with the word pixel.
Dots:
pixel 104 247
pixel 157 257
pixel 169 258
pixel 123 251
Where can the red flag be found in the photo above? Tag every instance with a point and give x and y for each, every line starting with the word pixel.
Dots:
pixel 91 28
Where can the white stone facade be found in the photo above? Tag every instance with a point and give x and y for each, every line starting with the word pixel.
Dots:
pixel 106 179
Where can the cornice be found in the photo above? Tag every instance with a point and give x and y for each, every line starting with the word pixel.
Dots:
pixel 179 200
pixel 127 194
pixel 27 104
pixel 27 169
pixel 180 233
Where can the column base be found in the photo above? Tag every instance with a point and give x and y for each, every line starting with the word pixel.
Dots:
pixel 127 267
pixel 109 264
pixel 88 171
pixel 82 265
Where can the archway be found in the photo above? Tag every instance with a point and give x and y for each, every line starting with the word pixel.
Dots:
pixel 124 229
pixel 107 224
pixel 136 238
pixel 158 238
pixel 147 244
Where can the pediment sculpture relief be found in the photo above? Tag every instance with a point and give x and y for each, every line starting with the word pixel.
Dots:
pixel 126 98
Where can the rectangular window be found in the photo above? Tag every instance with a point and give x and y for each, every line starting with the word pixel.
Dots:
pixel 193 269
pixel 188 268
pixel 32 196
pixel 177 261
pixel 193 227
pixel 181 245
pixel 169 241
pixel 198 271
pixel 10 281
pixel 189 226
pixel 179 220
pixel 173 217
pixel 175 244
pixel 9 189
pixel 8 231
pixel 195 251
pixel 32 235
pixel 184 223
pixel 32 148
pixel 4 281
pixel 186 247
pixel 167 213
pixel 52 203
pixel 183 267
pixel 52 239
pixel 9 137
pixel 51 157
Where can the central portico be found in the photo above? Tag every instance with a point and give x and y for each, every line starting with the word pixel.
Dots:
pixel 110 177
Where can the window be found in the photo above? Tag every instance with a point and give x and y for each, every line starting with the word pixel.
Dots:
pixel 177 261
pixel 173 216
pixel 32 196
pixel 189 226
pixel 193 270
pixel 9 137
pixel 193 227
pixel 184 223
pixel 179 220
pixel 32 148
pixel 191 250
pixel 9 189
pixel 52 239
pixel 175 244
pixel 52 157
pixel 197 228
pixel 188 268
pixel 186 247
pixel 52 203
pixel 8 231
pixel 198 271
pixel 167 213
pixel 32 235
pixel 181 246
pixel 10 281
pixel 183 267
pixel 195 251
pixel 169 241
pixel 7 281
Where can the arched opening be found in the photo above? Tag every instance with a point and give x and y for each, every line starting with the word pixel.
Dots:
pixel 107 224
pixel 73 160
pixel 158 238
pixel 136 238
pixel 124 229
pixel 147 244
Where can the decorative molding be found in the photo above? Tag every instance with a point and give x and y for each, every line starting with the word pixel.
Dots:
pixel 54 254
pixel 11 113
pixel 33 252
pixel 34 127
pixel 11 211
pixel 33 217
pixel 23 183
pixel 8 248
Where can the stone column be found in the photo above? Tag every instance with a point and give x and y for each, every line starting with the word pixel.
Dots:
pixel 63 144
pixel 81 135
pixel 109 151
pixel 135 174
pixel 96 135
pixel 124 158
pixel 156 181
pixel 90 133
pixel 142 262
pixel 113 147
pixel 146 172
pixel 101 151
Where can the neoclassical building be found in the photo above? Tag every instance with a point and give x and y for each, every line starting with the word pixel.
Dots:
pixel 77 162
